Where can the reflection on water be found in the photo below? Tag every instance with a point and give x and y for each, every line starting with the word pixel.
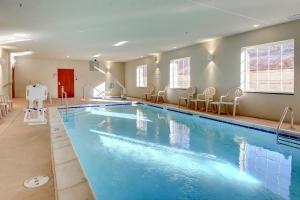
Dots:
pixel 141 122
pixel 179 135
pixel 170 159
pixel 271 168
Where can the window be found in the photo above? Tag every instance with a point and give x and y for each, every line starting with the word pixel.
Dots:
pixel 180 73
pixel 141 76
pixel 268 68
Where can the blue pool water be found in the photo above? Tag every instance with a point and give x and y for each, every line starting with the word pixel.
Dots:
pixel 138 152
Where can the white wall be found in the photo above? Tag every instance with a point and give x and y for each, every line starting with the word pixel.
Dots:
pixel 224 71
pixel 4 72
pixel 130 76
pixel 30 69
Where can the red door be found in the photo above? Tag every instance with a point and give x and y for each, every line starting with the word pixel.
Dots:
pixel 66 80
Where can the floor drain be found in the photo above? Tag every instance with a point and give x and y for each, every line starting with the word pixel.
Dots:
pixel 55 129
pixel 36 181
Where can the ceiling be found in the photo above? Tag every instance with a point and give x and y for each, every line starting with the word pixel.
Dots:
pixel 81 29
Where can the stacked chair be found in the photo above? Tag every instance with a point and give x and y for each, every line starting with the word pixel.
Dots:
pixel 161 94
pixel 206 97
pixel 187 96
pixel 230 100
pixel 6 105
pixel 150 91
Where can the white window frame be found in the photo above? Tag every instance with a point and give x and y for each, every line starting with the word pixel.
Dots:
pixel 244 62
pixel 141 76
pixel 174 73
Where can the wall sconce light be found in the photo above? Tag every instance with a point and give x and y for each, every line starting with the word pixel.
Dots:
pixel 210 57
pixel 156 59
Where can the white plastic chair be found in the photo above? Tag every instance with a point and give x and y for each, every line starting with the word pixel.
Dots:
pixel 3 110
pixel 231 98
pixel 5 106
pixel 160 94
pixel 187 96
pixel 9 101
pixel 150 90
pixel 206 97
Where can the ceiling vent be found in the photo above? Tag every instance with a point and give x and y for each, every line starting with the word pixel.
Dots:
pixel 294 17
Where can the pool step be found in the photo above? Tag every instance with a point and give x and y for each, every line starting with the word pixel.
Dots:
pixel 289 140
pixel 286 139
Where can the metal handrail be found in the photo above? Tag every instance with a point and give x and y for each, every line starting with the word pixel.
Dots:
pixel 83 90
pixel 65 95
pixel 283 115
pixel 62 95
pixel 100 93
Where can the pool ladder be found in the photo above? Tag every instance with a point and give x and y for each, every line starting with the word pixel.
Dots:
pixel 65 98
pixel 284 138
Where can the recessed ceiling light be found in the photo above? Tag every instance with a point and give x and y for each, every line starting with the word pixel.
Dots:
pixel 21 34
pixel 23 53
pixel 96 56
pixel 10 40
pixel 16 37
pixel 120 43
pixel 68 56
pixel 256 25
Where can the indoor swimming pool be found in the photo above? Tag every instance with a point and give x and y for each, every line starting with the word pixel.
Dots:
pixel 141 152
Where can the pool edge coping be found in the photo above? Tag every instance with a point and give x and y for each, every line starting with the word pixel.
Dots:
pixel 57 126
pixel 250 125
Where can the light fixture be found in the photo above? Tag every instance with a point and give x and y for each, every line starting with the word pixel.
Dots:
pixel 210 57
pixel 96 56
pixel 256 25
pixel 21 34
pixel 8 41
pixel 16 37
pixel 16 54
pixel 68 56
pixel 120 43
pixel 174 47
pixel 23 53
pixel 156 60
